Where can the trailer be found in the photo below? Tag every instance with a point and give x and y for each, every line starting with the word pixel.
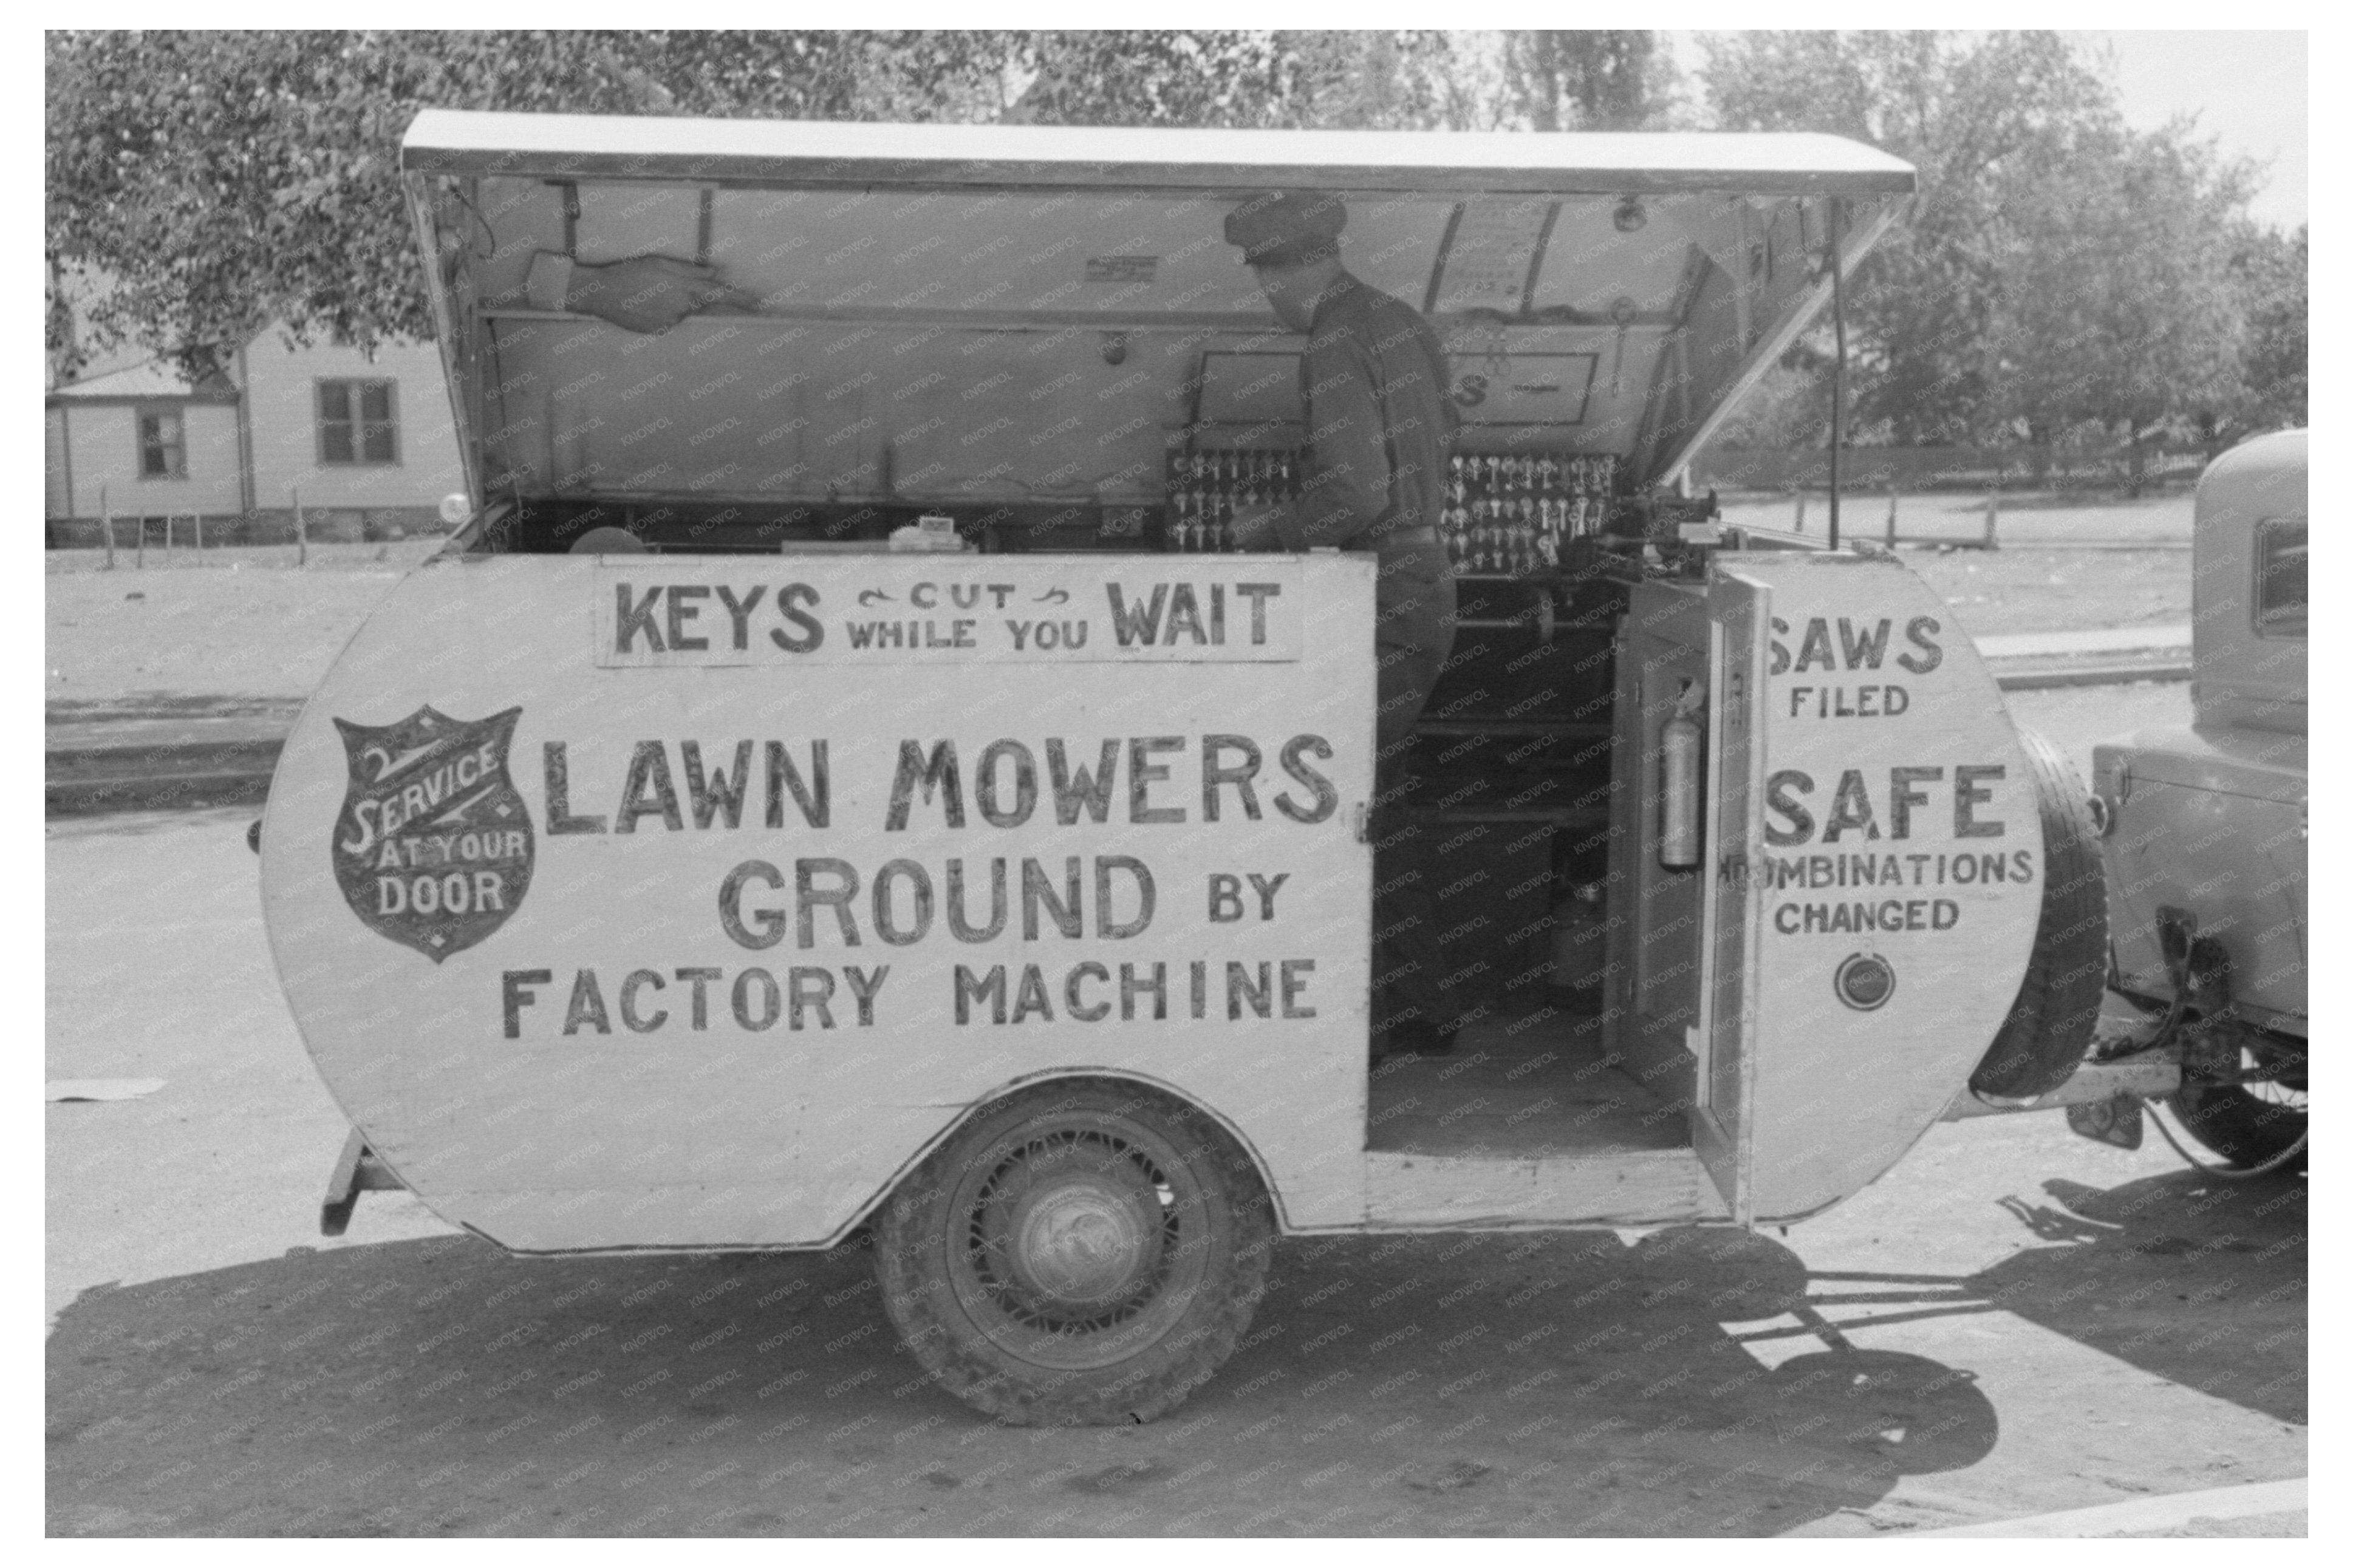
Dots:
pixel 841 777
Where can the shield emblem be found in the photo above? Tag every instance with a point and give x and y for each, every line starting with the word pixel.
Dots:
pixel 433 848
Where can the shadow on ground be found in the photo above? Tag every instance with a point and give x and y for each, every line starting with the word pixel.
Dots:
pixel 2196 1279
pixel 1483 1384
pixel 1441 1384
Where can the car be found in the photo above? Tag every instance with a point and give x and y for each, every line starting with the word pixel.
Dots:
pixel 2203 830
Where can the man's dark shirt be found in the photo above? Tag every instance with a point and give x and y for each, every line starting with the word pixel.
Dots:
pixel 1375 383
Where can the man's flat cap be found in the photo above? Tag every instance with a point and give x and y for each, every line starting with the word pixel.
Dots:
pixel 1286 228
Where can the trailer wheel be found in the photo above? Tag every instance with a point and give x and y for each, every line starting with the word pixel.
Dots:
pixel 1080 1253
pixel 2058 1004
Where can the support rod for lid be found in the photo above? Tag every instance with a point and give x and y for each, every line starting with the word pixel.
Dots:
pixel 1838 366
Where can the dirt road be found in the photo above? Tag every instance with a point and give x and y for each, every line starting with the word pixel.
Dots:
pixel 2013 1322
pixel 244 623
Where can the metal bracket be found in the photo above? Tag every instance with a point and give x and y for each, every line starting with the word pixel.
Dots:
pixel 2116 1121
pixel 357 1170
pixel 2150 1076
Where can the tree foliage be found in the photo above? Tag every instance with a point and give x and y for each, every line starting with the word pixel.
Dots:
pixel 1595 80
pixel 2117 302
pixel 1982 122
pixel 1384 80
pixel 221 180
pixel 2056 267
pixel 2273 272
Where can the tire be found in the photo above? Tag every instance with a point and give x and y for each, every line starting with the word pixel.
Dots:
pixel 2245 1124
pixel 1082 1253
pixel 2050 1021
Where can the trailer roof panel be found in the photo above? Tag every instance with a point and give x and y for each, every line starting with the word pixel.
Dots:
pixel 459 141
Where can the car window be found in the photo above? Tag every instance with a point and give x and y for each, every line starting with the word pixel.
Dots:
pixel 2280 578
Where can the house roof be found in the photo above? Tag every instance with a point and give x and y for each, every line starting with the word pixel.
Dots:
pixel 149 381
pixel 462 142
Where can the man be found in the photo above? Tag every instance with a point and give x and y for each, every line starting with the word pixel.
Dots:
pixel 1375 383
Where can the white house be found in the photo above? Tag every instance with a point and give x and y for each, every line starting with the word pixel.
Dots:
pixel 363 442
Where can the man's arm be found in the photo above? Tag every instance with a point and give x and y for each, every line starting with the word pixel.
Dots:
pixel 1347 486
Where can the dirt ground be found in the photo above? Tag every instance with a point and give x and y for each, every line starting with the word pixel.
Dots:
pixel 2013 1321
pixel 2023 520
pixel 2030 590
pixel 2044 577
pixel 245 623
pixel 2077 718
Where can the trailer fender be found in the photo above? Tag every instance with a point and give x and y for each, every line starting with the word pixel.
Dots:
pixel 980 1106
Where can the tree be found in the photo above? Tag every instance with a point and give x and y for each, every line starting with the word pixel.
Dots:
pixel 2272 271
pixel 1401 81
pixel 61 331
pixel 1985 121
pixel 1125 77
pixel 1596 80
pixel 224 180
pixel 2117 300
pixel 1366 80
pixel 1788 407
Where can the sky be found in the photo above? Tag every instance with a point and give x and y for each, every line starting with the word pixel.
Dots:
pixel 2247 90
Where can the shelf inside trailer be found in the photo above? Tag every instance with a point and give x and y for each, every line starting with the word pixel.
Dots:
pixel 1558 817
pixel 1515 1088
pixel 1512 729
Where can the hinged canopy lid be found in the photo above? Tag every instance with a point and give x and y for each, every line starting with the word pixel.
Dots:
pixel 989 315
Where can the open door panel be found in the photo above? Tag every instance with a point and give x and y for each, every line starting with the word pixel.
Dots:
pixel 1882 885
pixel 1723 1125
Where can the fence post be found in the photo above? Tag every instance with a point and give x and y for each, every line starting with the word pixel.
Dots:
pixel 141 559
pixel 1801 512
pixel 106 521
pixel 200 539
pixel 1993 512
pixel 301 531
pixel 1890 514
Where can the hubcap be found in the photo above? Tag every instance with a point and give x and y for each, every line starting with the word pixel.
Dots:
pixel 1079 1243
pixel 1069 1250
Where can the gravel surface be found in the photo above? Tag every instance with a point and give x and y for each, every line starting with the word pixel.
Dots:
pixel 245 623
pixel 2013 1321
pixel 2022 520
pixel 2010 1322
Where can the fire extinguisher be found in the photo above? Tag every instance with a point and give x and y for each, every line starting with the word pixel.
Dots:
pixel 1679 749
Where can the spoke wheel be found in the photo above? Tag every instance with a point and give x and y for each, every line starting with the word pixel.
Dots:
pixel 2247 1123
pixel 1078 1253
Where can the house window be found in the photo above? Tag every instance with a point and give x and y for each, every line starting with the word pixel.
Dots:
pixel 163 444
pixel 2281 584
pixel 357 423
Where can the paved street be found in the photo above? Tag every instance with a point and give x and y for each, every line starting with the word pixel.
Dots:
pixel 2013 1322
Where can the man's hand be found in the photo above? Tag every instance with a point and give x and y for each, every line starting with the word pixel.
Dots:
pixel 653 293
pixel 1254 528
